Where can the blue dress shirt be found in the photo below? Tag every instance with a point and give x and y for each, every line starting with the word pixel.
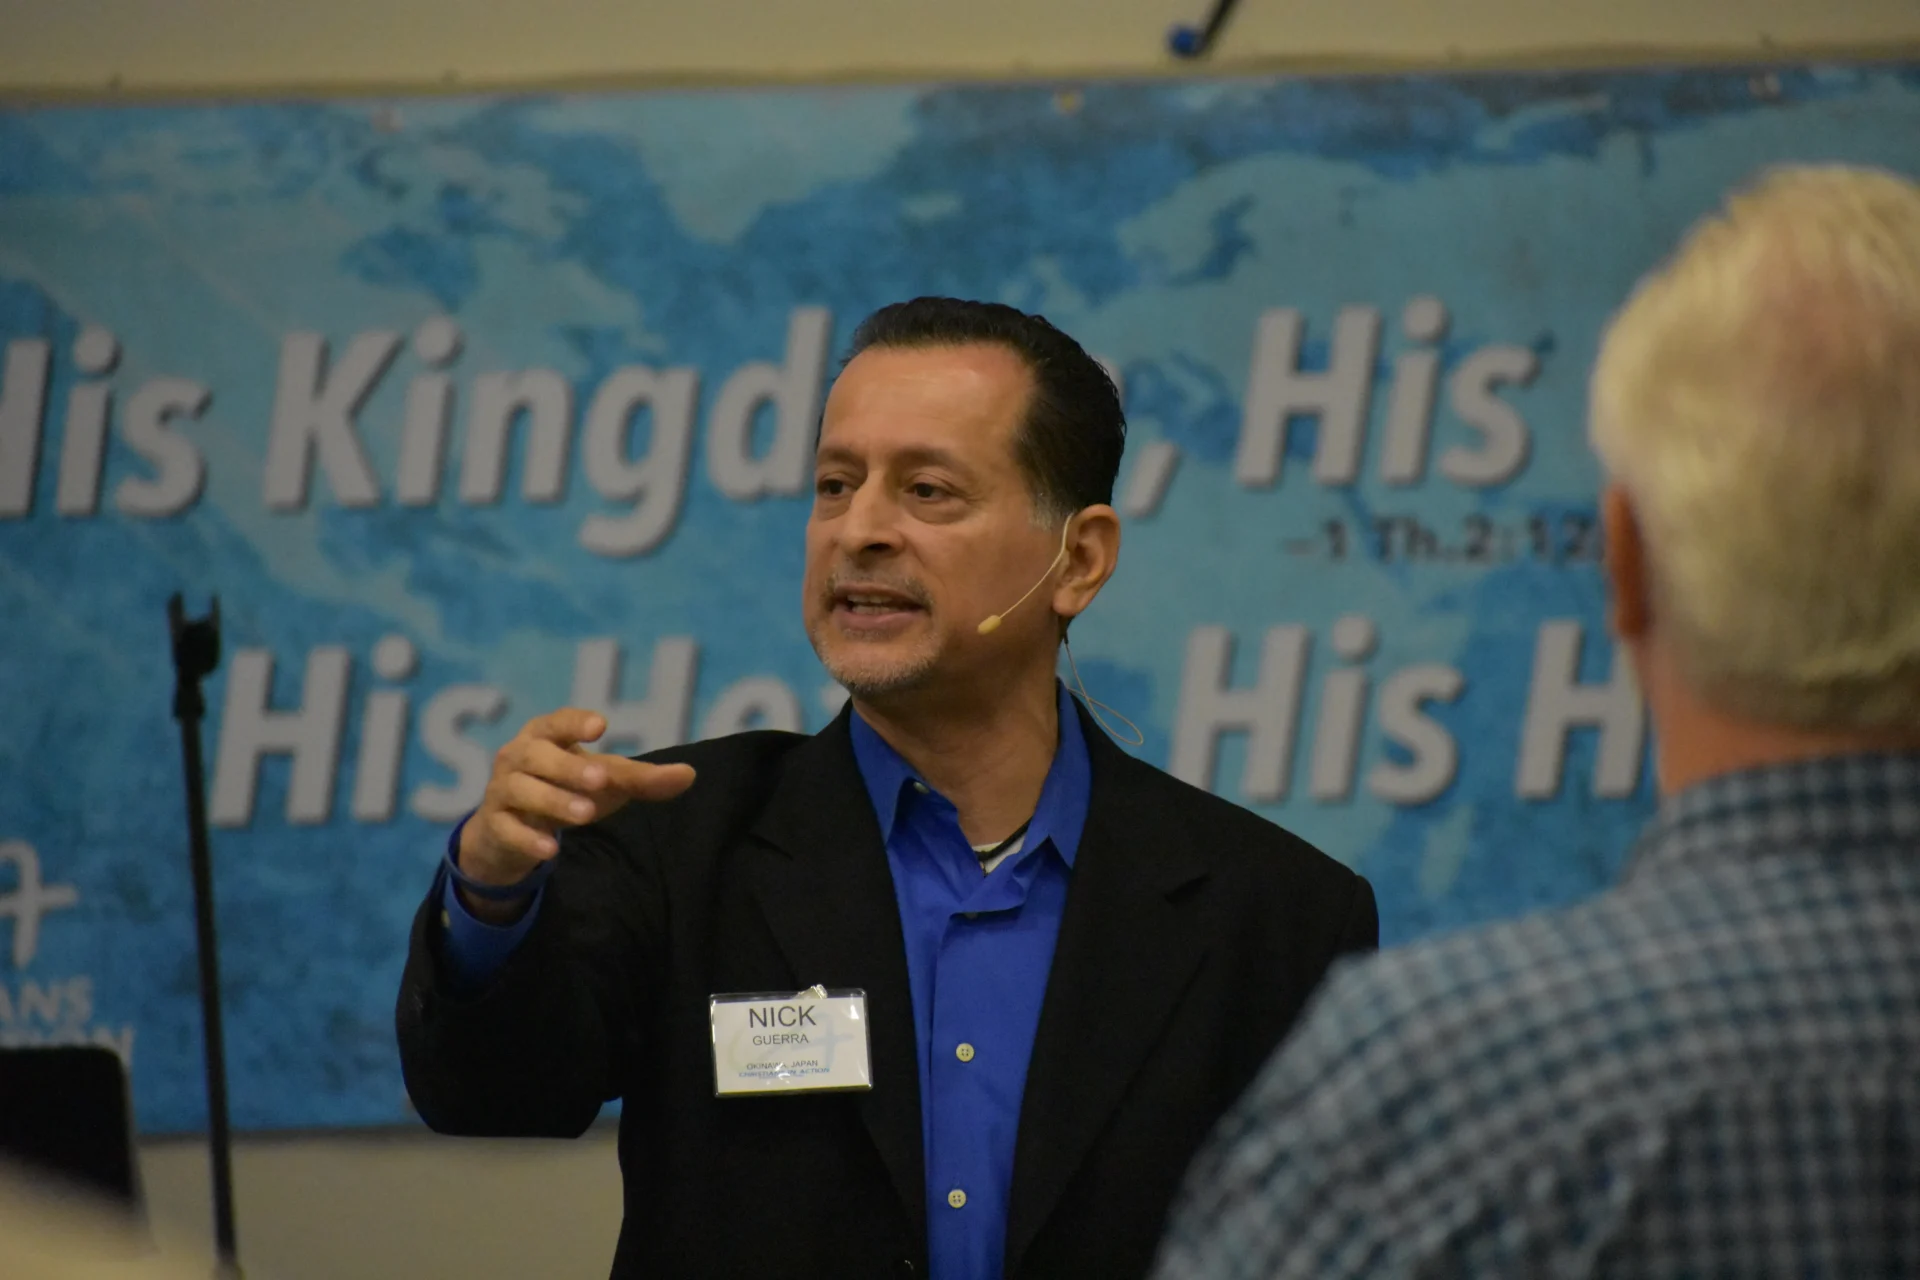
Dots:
pixel 979 948
pixel 473 949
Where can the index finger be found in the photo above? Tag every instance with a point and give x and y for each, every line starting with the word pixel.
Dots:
pixel 567 726
pixel 639 780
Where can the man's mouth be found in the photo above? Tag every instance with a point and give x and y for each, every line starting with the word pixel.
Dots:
pixel 873 602
pixel 869 603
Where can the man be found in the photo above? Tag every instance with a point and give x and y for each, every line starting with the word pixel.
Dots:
pixel 1070 963
pixel 1710 1071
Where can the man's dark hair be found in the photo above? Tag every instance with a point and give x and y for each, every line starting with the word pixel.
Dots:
pixel 1070 444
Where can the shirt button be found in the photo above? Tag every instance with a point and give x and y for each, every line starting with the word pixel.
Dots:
pixel 957 1198
pixel 921 787
pixel 964 1052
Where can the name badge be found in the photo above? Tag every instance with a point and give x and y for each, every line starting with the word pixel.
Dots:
pixel 814 1041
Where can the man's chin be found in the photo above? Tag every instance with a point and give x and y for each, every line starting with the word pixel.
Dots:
pixel 869 676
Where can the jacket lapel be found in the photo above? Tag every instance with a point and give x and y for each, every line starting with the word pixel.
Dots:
pixel 1130 942
pixel 828 898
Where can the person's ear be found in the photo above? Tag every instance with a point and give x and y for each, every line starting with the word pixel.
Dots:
pixel 1093 552
pixel 1629 589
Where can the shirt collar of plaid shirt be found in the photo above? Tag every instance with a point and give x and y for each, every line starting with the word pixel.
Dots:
pixel 1841 801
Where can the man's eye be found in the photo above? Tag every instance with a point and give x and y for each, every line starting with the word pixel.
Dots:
pixel 830 487
pixel 924 491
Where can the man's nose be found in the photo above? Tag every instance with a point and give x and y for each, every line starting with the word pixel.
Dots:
pixel 872 522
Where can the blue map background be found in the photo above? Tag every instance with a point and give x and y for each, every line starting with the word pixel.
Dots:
pixel 1154 221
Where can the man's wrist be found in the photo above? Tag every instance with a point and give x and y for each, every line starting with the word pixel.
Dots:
pixel 491 911
pixel 495 903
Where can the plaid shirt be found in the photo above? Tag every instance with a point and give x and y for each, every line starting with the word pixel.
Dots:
pixel 1712 1070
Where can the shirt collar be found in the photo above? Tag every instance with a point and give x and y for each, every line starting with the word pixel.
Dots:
pixel 1844 801
pixel 1060 816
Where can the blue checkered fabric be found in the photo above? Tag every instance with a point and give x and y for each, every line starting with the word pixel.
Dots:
pixel 1711 1071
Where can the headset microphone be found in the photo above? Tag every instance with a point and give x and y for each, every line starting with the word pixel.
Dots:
pixel 989 625
pixel 1094 706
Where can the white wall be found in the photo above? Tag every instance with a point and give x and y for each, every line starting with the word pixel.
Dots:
pixel 407 1206
pixel 192 45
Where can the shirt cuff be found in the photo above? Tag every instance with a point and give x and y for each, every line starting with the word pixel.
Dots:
pixel 472 949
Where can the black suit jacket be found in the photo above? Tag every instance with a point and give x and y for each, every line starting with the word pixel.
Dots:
pixel 1193 933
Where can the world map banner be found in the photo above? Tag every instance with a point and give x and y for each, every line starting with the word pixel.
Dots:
pixel 471 407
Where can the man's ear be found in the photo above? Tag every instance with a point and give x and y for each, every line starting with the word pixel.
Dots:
pixel 1093 551
pixel 1629 589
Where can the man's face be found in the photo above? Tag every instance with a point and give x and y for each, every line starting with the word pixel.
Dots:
pixel 922 522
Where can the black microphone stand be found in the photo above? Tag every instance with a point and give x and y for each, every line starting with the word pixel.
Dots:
pixel 196 652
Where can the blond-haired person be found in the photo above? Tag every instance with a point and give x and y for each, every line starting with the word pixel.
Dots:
pixel 1713 1070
